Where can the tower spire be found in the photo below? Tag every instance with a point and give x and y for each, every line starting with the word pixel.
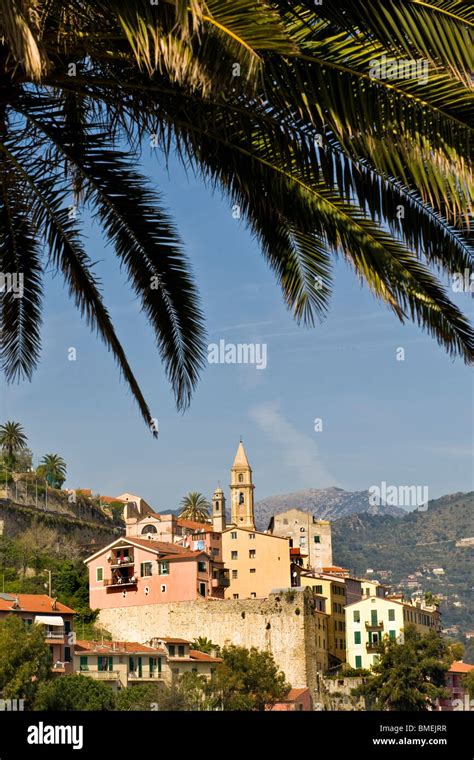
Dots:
pixel 242 488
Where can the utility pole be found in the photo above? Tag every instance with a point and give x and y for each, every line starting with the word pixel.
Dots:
pixel 46 494
pixel 36 493
pixel 49 582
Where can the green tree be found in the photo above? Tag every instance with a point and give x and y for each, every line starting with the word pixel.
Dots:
pixel 247 679
pixel 34 543
pixel 468 683
pixel 159 697
pixel 195 506
pixel 408 676
pixel 53 468
pixel 74 692
pixel 284 106
pixel 12 439
pixel 25 659
pixel 203 644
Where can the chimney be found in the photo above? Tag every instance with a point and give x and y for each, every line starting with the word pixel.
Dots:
pixel 54 603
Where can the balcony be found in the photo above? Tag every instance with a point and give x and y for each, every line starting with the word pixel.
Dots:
pixel 145 676
pixel 374 626
pixel 120 583
pixel 101 675
pixel 222 581
pixel 372 646
pixel 122 562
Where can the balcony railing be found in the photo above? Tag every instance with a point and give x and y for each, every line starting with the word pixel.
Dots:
pixel 133 676
pixel 372 646
pixel 57 634
pixel 102 675
pixel 374 626
pixel 122 583
pixel 125 562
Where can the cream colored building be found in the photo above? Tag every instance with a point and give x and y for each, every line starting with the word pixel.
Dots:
pixel 373 588
pixel 334 591
pixel 257 563
pixel 373 618
pixel 313 537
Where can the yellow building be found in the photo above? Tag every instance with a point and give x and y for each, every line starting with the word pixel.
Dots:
pixel 257 562
pixel 334 589
pixel 374 618
pixel 373 588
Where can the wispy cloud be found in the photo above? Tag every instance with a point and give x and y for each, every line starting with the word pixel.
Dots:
pixel 299 451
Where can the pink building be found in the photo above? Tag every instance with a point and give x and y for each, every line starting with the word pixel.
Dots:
pixel 132 571
pixel 55 618
pixel 297 700
pixel 458 697
pixel 196 536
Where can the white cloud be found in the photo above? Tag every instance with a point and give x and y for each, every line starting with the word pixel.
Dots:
pixel 299 451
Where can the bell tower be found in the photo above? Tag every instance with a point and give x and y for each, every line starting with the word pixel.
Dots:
pixel 218 510
pixel 241 490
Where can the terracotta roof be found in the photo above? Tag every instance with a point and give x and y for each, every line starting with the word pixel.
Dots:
pixel 194 525
pixel 40 603
pixel 107 499
pixel 157 547
pixel 335 569
pixel 203 656
pixel 293 694
pixel 170 640
pixel 460 667
pixel 115 647
pixel 186 554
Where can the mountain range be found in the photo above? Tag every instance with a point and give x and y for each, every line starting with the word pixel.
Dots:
pixel 323 503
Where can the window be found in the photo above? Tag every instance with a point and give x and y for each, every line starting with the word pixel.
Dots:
pixel 99 573
pixel 251 535
pixel 164 567
pixel 202 589
pixel 317 539
pixel 358 661
pixel 318 589
pixel 235 596
pixel 241 478
pixel 373 617
pixel 251 553
pixel 67 654
pixel 234 574
pixel 252 570
pixel 163 588
pixel 233 534
pixel 391 615
pixel 145 569
pixel 172 650
pixel 392 635
pixel 149 529
pixel 201 567
pixel 83 663
pixel 285 521
pixel 253 595
pixel 234 555
pixel 357 639
pixel 356 616
pixel 180 650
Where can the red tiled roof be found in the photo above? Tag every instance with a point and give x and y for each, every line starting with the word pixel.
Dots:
pixel 197 526
pixel 186 554
pixel 107 499
pixel 160 546
pixel 170 640
pixel 203 656
pixel 460 667
pixel 293 694
pixel 40 603
pixel 335 569
pixel 115 647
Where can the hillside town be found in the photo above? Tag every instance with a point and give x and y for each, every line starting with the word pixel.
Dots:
pixel 169 580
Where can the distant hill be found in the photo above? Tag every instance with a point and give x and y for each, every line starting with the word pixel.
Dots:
pixel 413 545
pixel 324 503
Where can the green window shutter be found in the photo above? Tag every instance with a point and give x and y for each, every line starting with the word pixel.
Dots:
pixel 83 664
pixel 356 637
pixel 358 661
pixel 111 663
pixel 373 617
pixel 392 635
pixel 391 615
pixel 356 616
pixel 159 664
pixel 317 539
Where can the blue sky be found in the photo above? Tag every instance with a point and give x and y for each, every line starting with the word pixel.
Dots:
pixel 403 422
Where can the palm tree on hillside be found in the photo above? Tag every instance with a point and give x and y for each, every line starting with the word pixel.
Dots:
pixel 12 440
pixel 195 506
pixel 284 106
pixel 53 468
